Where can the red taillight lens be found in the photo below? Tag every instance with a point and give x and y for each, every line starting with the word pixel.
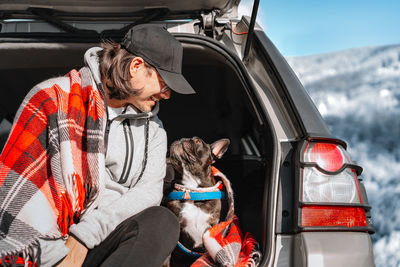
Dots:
pixel 333 216
pixel 329 157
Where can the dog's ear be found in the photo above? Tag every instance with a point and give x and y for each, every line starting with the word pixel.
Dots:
pixel 218 148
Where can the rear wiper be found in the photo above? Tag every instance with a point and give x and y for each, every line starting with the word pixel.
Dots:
pixel 46 15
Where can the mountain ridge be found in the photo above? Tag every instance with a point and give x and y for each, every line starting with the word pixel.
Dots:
pixel 355 59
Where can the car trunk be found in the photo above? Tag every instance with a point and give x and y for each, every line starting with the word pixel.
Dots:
pixel 224 106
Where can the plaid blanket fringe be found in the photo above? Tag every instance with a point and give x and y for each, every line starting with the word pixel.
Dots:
pixel 50 167
pixel 27 258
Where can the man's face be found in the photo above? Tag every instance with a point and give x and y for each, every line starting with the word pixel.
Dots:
pixel 151 84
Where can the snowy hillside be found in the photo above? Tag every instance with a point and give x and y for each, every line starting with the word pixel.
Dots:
pixel 358 93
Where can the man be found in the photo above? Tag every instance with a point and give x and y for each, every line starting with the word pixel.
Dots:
pixel 107 216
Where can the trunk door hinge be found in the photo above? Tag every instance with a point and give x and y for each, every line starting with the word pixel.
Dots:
pixel 211 24
pixel 208 23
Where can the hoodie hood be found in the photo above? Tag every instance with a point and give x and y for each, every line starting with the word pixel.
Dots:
pixel 131 113
pixel 92 61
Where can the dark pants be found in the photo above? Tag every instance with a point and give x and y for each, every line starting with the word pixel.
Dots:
pixel 145 239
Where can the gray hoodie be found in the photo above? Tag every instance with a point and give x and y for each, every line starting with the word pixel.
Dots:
pixel 124 196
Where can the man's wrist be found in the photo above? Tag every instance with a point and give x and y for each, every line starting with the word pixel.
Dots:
pixel 73 243
pixel 77 253
pixel 77 239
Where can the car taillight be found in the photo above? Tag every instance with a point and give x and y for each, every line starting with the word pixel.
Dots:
pixel 330 194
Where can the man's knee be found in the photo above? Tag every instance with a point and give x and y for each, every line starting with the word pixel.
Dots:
pixel 160 221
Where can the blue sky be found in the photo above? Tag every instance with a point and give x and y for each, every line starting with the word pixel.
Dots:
pixel 317 26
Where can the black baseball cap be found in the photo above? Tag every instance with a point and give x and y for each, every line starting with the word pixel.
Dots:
pixel 162 51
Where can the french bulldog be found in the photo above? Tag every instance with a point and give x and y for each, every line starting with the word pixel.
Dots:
pixel 191 160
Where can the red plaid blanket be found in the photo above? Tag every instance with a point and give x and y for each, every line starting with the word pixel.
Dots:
pixel 50 167
pixel 227 247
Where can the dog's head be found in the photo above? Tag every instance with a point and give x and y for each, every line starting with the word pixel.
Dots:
pixel 192 158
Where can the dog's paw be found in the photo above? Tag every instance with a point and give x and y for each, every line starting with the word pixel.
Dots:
pixel 167 262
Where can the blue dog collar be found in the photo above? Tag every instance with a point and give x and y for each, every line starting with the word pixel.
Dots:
pixel 196 195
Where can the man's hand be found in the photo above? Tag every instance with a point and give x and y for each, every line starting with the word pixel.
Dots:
pixel 77 253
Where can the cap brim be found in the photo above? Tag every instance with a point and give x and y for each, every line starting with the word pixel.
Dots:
pixel 176 82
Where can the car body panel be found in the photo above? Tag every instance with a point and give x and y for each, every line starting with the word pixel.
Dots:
pixel 305 112
pixel 331 249
pixel 321 249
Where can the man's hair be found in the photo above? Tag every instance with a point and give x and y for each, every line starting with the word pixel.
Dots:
pixel 114 66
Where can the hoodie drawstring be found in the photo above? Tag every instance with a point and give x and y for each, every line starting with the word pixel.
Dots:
pixel 146 148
